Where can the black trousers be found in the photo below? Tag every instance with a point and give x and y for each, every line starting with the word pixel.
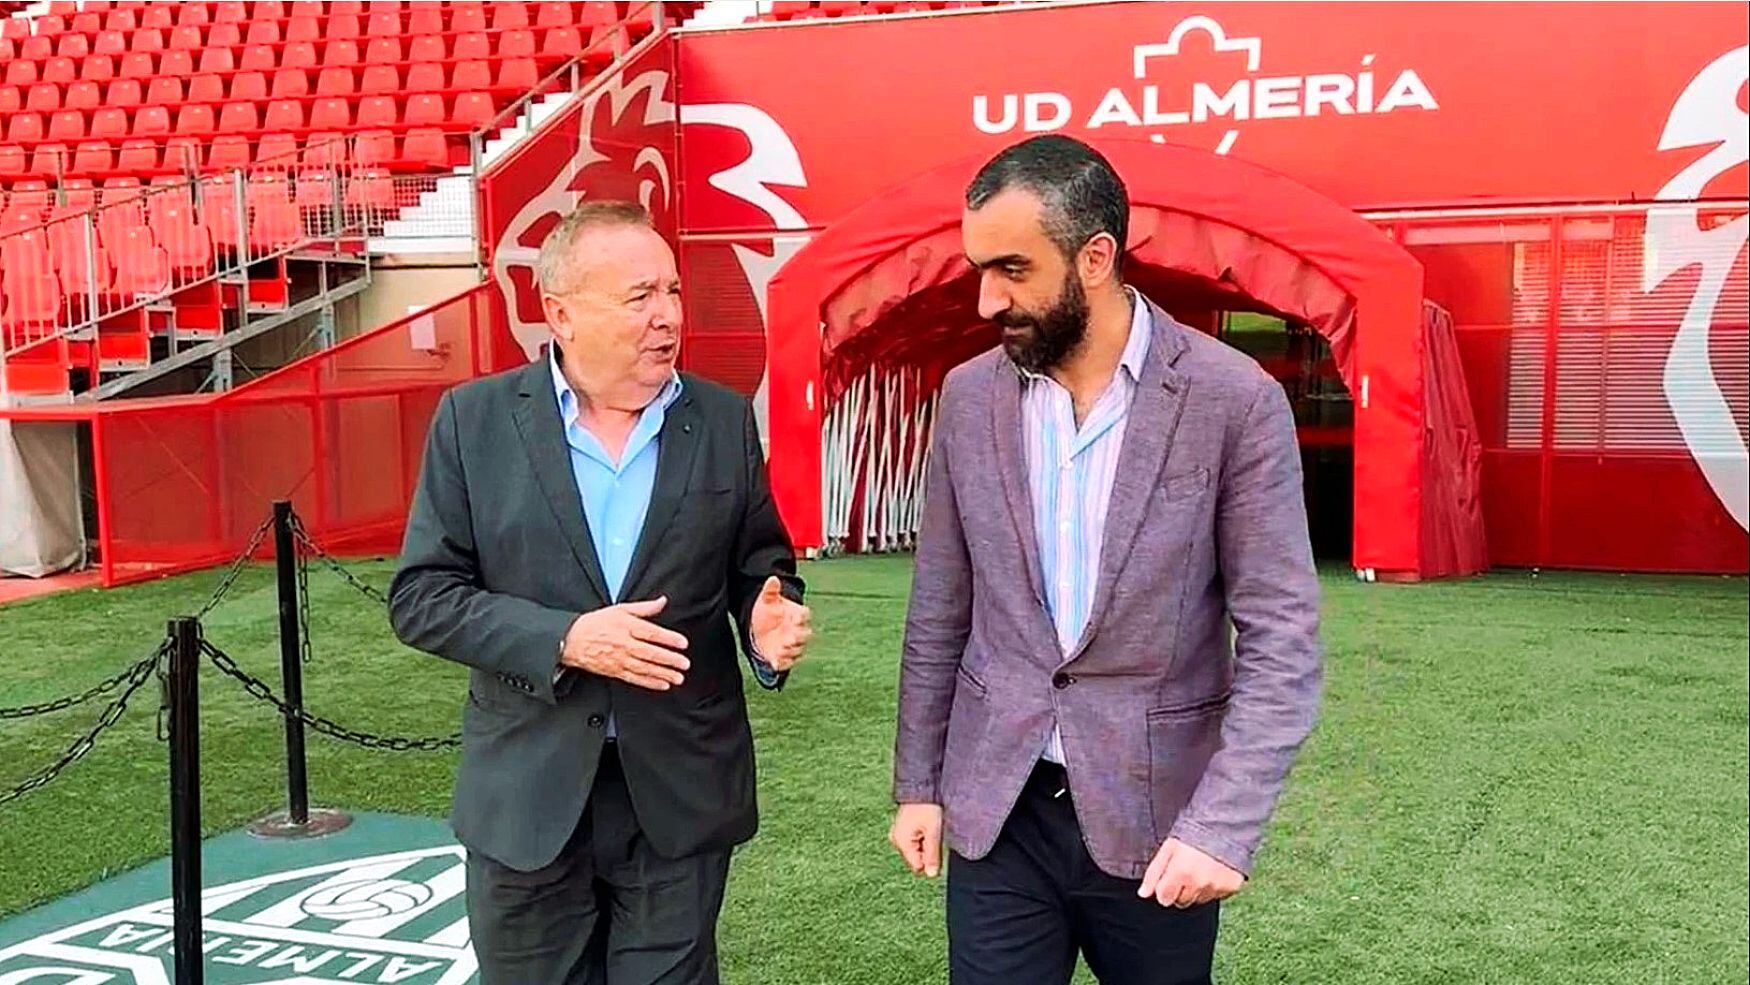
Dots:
pixel 608 911
pixel 1020 915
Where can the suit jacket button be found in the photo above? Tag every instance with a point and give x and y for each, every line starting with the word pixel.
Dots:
pixel 597 721
pixel 1061 681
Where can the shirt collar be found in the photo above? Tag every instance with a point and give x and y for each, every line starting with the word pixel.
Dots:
pixel 669 393
pixel 1135 347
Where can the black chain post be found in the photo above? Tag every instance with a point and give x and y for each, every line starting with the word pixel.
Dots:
pixel 291 669
pixel 185 798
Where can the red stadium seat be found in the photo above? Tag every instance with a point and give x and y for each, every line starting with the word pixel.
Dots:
pixel 249 85
pixel 123 93
pixel 239 117
pixel 97 68
pixel 259 58
pixel 338 81
pixel 376 111
pixel 150 121
pixel 12 159
pixel 331 113
pixel 82 265
pixel 159 16
pixel 79 194
pixel 227 151
pixel 61 69
pixel 121 20
pixel 562 42
pixel 44 97
pixel 426 18
pixel 32 195
pixel 263 32
pixel 424 108
pixel 33 294
pixel 93 156
pixel 325 149
pixel 11 99
pixel 516 44
pixel 230 11
pixel 383 51
pixel 218 211
pixel 599 14
pixel 8 49
pixel 472 45
pixel 50 158
pixel 277 150
pixel 428 48
pixel 304 29
pixel 270 10
pixel 138 154
pixel 188 37
pixel 206 89
pixel 176 63
pixel 341 53
pixel 299 54
pixel 474 109
pixel 373 147
pixel 224 36
pixel 24 128
pixel 185 153
pixel 471 75
pixel 426 145
pixel 196 120
pixel 507 16
pixel 349 8
pixel 467 17
pixel 284 114
pixel 384 24
pixel 291 82
pixel 217 60
pixel 193 13
pixel 165 91
pixel 141 267
pixel 315 192
pixel 73 46
pixel 110 122
pixel 384 79
pixel 21 73
pixel 83 95
pixel 139 65
pixel 554 15
pixel 148 39
pixel 371 188
pixel 16 28
pixel 67 124
pixel 421 77
pixel 275 226
pixel 268 188
pixel 38 48
pixel 342 28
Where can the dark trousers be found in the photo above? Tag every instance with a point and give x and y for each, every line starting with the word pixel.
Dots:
pixel 608 911
pixel 1020 915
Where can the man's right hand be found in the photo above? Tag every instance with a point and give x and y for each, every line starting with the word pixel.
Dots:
pixel 621 642
pixel 917 833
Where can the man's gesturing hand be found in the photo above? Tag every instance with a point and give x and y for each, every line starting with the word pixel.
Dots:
pixel 1183 876
pixel 779 627
pixel 917 833
pixel 621 642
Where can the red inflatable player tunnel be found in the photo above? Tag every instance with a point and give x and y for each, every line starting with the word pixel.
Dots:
pixel 1206 231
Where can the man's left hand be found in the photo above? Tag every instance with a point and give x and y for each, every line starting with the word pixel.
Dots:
pixel 1182 876
pixel 779 627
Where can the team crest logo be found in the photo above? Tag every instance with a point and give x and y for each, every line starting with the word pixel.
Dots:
pixel 396 919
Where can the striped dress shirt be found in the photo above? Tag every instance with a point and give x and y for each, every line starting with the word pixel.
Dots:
pixel 1070 473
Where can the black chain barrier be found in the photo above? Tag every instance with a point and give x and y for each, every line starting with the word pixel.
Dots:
pixel 134 678
pixel 309 545
pixel 262 691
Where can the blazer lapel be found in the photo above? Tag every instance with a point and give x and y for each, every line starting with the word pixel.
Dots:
pixel 1148 434
pixel 543 436
pixel 675 445
pixel 1012 469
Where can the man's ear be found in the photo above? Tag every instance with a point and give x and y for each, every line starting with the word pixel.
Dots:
pixel 558 318
pixel 1098 260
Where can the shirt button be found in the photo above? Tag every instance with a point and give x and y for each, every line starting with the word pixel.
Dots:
pixel 1061 681
pixel 597 721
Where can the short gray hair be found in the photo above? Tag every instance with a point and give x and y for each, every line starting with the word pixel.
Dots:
pixel 554 268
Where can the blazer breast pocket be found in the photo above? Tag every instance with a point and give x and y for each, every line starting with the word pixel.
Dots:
pixel 1186 485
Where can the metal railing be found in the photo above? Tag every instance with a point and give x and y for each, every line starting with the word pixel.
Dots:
pixel 113 266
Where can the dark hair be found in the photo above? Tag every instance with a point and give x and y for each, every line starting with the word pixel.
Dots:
pixel 1082 195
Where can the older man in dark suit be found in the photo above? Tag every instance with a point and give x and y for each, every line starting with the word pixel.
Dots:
pixel 1108 494
pixel 583 531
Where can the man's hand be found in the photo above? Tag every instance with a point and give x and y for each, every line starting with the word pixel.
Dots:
pixel 917 833
pixel 619 641
pixel 779 627
pixel 1183 876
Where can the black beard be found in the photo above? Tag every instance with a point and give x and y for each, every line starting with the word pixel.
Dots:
pixel 1047 339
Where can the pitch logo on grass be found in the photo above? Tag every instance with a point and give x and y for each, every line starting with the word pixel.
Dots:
pixel 395 919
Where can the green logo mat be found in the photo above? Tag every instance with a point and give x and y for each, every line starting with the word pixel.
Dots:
pixel 379 902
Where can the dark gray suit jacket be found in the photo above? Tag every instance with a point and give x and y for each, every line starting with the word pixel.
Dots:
pixel 1168 728
pixel 496 565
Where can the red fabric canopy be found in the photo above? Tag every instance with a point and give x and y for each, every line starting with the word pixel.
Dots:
pixel 1245 237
